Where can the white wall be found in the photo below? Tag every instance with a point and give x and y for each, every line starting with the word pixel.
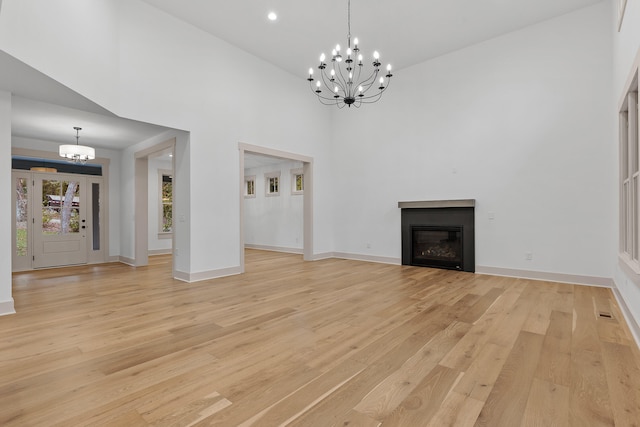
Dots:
pixel 156 244
pixel 6 300
pixel 274 222
pixel 626 46
pixel 521 123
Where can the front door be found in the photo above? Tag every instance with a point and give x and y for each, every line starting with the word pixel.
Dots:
pixel 59 220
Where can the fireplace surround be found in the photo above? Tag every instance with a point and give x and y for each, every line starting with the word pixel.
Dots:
pixel 439 234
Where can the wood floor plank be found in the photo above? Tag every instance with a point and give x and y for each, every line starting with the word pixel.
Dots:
pixel 547 406
pixel 508 399
pixel 555 359
pixel 332 342
pixel 622 372
pixel 389 393
pixel 425 400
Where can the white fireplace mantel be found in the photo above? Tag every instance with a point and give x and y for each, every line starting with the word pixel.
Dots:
pixel 465 203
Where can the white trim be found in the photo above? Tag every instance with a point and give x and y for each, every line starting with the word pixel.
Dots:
pixel 160 252
pixel 274 248
pixel 367 258
pixel 628 316
pixel 604 282
pixel 7 307
pixel 127 261
pixel 165 235
pixel 114 258
pixel 206 275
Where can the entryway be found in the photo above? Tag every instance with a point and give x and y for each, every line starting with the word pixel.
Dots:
pixel 57 220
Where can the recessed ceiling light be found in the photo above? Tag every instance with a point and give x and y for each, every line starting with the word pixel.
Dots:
pixel 272 16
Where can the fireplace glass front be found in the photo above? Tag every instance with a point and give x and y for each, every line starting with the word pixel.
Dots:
pixel 437 246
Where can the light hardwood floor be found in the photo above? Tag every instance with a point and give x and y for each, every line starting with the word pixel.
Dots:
pixel 323 343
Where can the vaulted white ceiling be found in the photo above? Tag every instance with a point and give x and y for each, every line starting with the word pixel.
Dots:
pixel 405 32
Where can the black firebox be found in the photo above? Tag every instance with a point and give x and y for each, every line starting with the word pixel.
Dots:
pixel 440 237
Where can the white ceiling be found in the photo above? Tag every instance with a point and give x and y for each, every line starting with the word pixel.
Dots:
pixel 405 32
pixel 47 110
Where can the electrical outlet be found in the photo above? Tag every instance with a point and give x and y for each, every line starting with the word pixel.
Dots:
pixel 492 215
pixel 528 256
pixel 368 245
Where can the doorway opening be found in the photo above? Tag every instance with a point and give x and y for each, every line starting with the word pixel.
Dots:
pixel 158 161
pixel 280 173
pixel 59 212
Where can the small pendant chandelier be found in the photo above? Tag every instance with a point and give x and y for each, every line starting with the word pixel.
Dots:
pixel 77 153
pixel 344 79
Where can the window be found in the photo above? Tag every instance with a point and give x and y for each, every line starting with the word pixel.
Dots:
pixel 166 201
pixel 249 187
pixel 297 181
pixel 22 209
pixel 272 181
pixel 629 176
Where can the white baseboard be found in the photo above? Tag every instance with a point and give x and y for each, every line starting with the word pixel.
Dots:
pixel 367 258
pixel 152 252
pixel 7 307
pixel 128 261
pixel 274 248
pixel 628 316
pixel 321 256
pixel 206 275
pixel 604 282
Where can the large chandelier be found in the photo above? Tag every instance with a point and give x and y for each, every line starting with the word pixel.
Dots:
pixel 344 79
pixel 77 153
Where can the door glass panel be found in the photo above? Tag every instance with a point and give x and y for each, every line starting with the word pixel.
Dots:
pixel 21 216
pixel 95 220
pixel 60 207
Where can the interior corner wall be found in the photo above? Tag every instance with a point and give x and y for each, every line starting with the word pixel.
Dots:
pixel 6 299
pixel 75 43
pixel 274 222
pixel 626 47
pixel 521 123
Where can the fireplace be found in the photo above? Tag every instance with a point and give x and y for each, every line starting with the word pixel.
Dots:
pixel 439 234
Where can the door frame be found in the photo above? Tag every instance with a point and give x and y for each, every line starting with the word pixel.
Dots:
pixel 307 210
pixel 141 201
pixel 104 199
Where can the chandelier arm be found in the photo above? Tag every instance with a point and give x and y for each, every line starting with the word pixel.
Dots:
pixel 326 80
pixel 366 84
pixel 341 78
pixel 370 99
pixel 341 81
pixel 323 97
